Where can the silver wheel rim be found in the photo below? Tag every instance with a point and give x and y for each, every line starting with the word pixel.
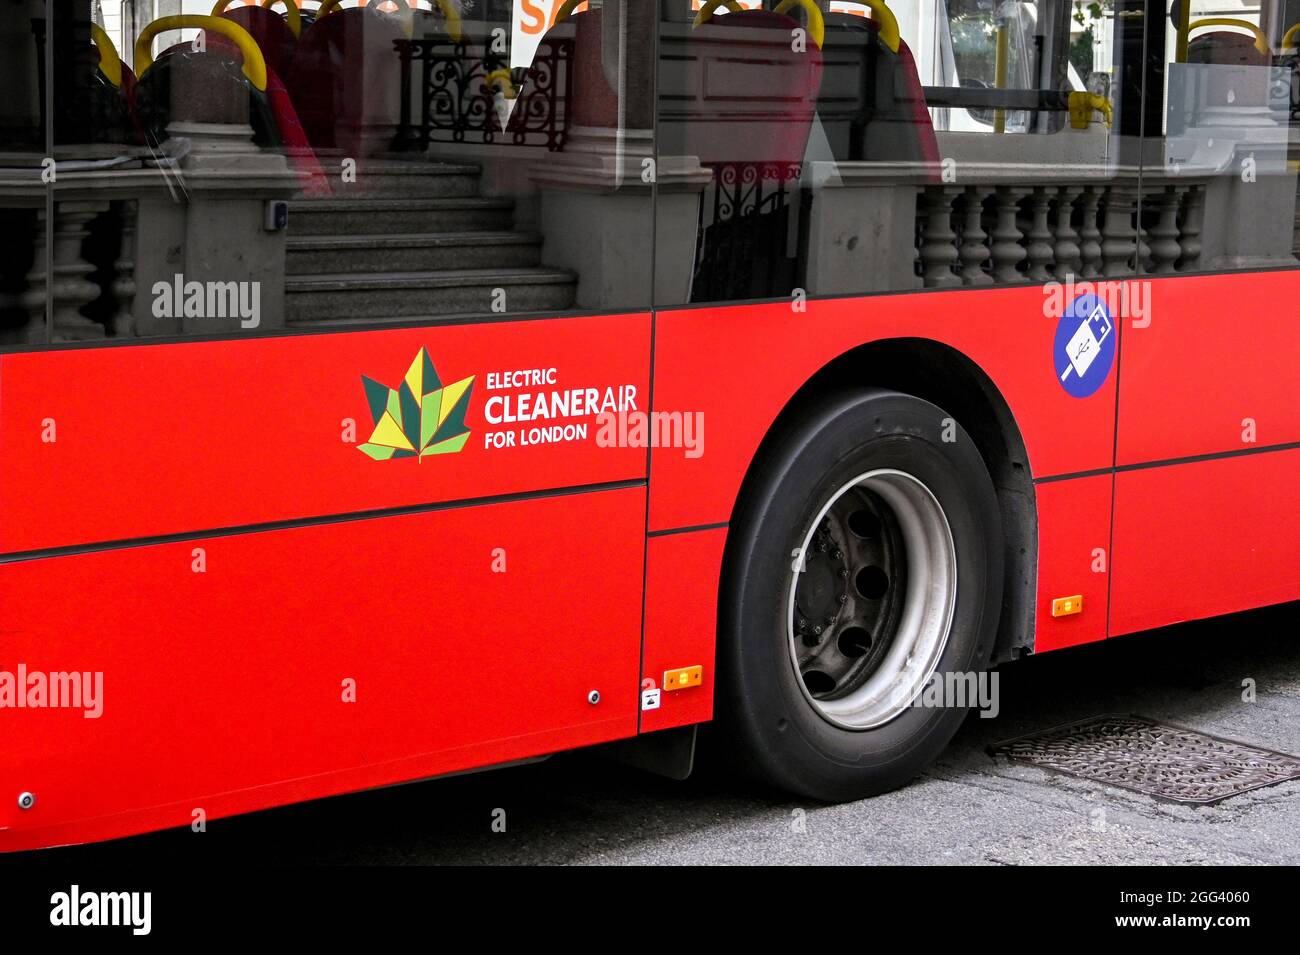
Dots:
pixel 882 608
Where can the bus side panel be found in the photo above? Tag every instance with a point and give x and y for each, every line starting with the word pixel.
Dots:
pixel 740 365
pixel 252 670
pixel 1206 538
pixel 1073 559
pixel 681 623
pixel 1214 371
pixel 109 444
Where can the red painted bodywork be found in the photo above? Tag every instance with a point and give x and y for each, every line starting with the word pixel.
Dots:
pixel 681 619
pixel 740 366
pixel 1074 524
pixel 1206 538
pixel 223 691
pixel 222 688
pixel 1219 349
pixel 172 439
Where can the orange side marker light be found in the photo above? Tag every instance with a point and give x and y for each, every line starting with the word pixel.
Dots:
pixel 1067 606
pixel 683 678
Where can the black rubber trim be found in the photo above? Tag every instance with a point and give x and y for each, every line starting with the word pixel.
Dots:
pixel 687 530
pixel 1169 462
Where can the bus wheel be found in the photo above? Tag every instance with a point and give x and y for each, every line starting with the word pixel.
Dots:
pixel 864 564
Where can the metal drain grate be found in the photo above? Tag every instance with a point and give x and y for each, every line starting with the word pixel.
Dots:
pixel 1168 762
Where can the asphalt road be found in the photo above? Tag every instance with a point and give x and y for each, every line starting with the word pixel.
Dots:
pixel 968 808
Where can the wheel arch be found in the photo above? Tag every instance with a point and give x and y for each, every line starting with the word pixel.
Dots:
pixel 941 374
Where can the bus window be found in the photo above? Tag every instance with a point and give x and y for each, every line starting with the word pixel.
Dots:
pixel 22 147
pixel 1223 137
pixel 835 146
pixel 227 167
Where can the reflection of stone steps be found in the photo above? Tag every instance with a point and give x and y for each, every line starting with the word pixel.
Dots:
pixel 363 216
pixel 317 254
pixel 379 295
pixel 410 240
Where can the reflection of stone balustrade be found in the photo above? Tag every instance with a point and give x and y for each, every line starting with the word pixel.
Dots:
pixel 991 233
pixel 1002 224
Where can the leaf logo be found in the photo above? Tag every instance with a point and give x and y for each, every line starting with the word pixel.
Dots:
pixel 420 416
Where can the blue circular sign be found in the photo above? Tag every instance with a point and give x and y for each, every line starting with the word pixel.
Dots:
pixel 1084 350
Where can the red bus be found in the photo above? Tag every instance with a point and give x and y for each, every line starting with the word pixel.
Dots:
pixel 397 390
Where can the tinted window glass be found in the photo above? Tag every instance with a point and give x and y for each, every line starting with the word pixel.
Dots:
pixel 23 194
pixel 838 147
pixel 1219 176
pixel 240 168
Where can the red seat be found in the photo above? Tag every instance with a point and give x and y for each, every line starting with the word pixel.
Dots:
pixel 270 32
pixel 345 78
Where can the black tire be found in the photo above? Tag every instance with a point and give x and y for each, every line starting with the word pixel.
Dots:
pixel 762 709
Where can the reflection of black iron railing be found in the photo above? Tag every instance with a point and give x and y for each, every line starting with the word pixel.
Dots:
pixel 748 244
pixel 457 104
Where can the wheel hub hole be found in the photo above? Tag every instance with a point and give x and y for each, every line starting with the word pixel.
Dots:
pixel 818 682
pixel 872 582
pixel 864 524
pixel 854 642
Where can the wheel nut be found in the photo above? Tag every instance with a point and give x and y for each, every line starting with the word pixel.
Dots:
pixel 844 598
pixel 817 630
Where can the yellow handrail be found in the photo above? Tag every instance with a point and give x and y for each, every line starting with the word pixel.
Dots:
pixel 1082 103
pixel 1261 41
pixel 110 64
pixel 292 14
pixel 254 66
pixel 1184 28
pixel 502 76
pixel 706 11
pixel 451 19
pixel 889 34
pixel 816 22
pixel 1288 38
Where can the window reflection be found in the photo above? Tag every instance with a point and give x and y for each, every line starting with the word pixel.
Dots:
pixel 235 166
